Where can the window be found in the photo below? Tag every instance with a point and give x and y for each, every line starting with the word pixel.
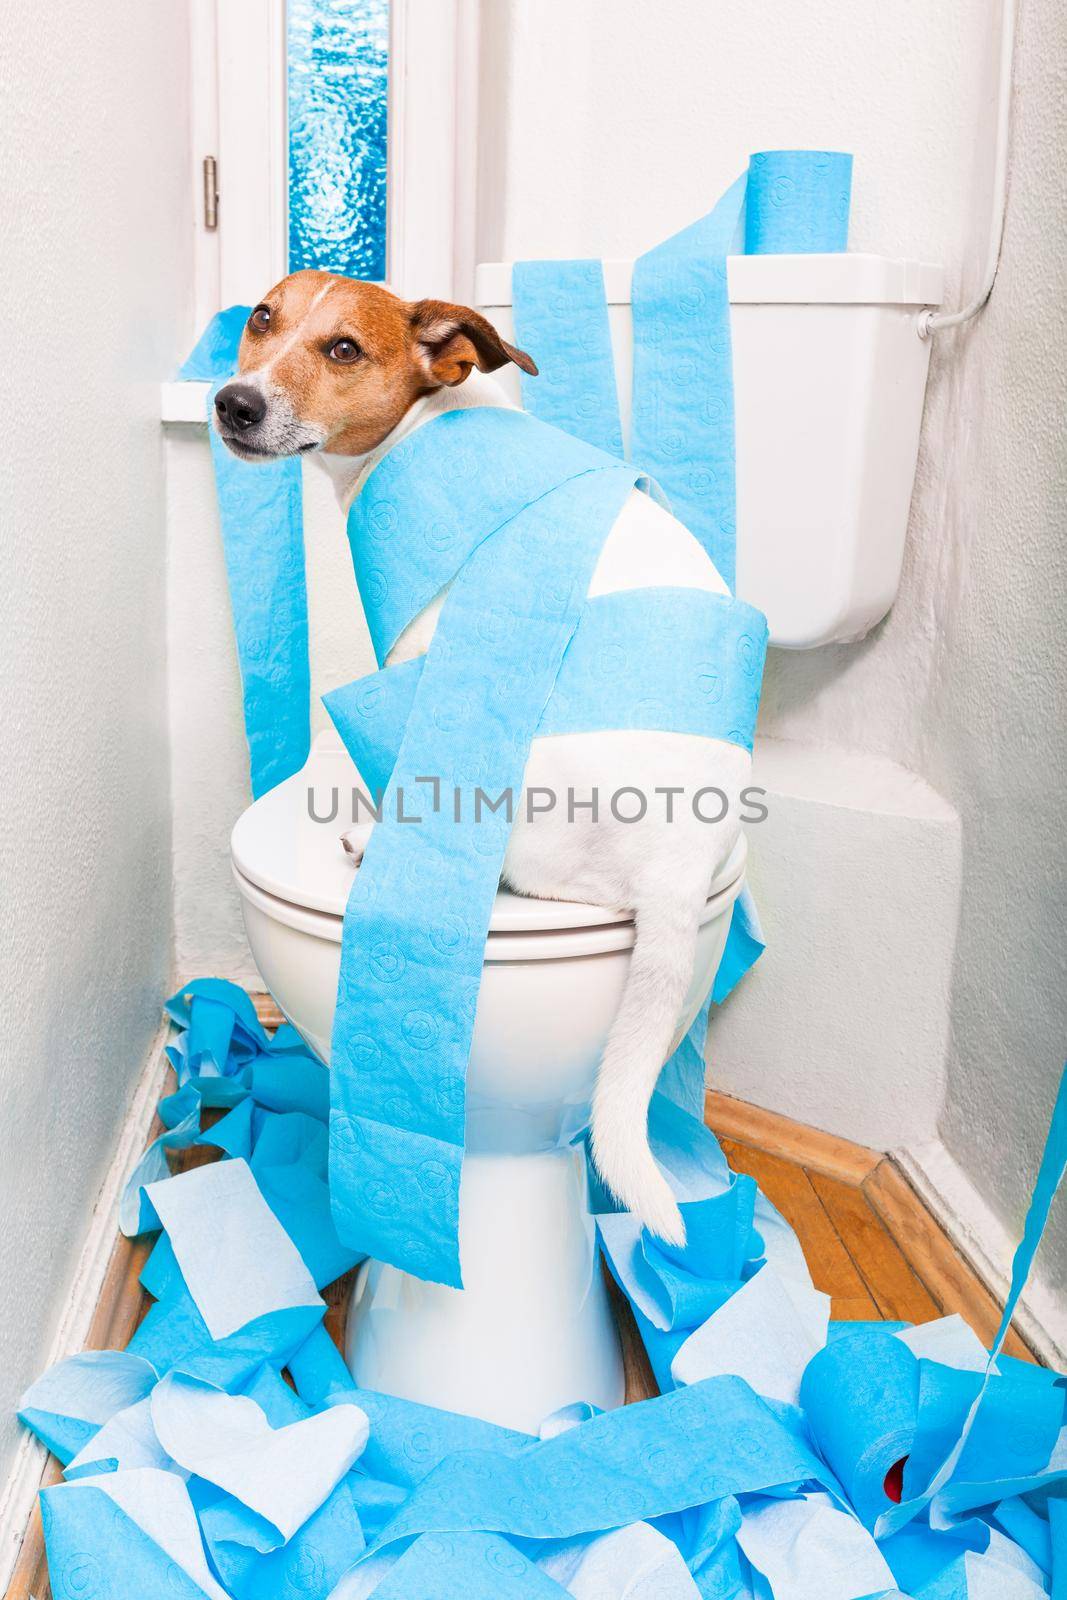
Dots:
pixel 337 63
pixel 345 137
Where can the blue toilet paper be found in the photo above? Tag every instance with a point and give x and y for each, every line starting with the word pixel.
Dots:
pixel 125 1534
pixel 683 386
pixel 654 632
pixel 262 520
pixel 797 202
pixel 480 1566
pixel 861 1398
pixel 518 545
pixel 683 405
pixel 702 1443
pixel 941 1486
pixel 560 307
pixel 199 1471
pixel 75 1398
pixel 194 1469
pixel 808 1548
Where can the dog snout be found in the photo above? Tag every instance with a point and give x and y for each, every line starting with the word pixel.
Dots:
pixel 240 406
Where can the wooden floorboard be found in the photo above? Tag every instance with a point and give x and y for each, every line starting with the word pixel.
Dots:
pixel 640 1383
pixel 793 1141
pixel 870 1243
pixel 934 1258
pixel 790 1188
pixel 899 1295
pixel 907 1266
pixel 267 1010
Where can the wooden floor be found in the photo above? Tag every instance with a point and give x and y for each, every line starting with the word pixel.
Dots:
pixel 869 1241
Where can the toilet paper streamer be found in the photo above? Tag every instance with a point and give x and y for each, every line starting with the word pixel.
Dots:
pixel 686 643
pixel 944 1492
pixel 683 401
pixel 262 521
pixel 139 1530
pixel 417 916
pixel 220 1480
pixel 518 542
pixel 810 1549
pixel 565 313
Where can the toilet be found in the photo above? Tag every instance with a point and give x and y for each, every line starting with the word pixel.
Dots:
pixel 532 1330
pixel 829 376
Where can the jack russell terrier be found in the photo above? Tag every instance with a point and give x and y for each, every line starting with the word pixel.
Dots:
pixel 345 369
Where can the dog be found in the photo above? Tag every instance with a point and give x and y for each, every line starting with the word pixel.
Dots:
pixel 345 369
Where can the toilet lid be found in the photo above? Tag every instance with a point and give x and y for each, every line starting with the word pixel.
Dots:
pixel 279 845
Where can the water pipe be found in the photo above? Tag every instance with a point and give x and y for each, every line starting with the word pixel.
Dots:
pixel 931 321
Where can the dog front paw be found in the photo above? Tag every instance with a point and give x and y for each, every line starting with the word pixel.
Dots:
pixel 354 843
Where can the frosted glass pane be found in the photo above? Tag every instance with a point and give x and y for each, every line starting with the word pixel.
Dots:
pixel 338 83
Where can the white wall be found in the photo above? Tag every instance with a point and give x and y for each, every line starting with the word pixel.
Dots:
pixel 94 256
pixel 605 125
pixel 994 734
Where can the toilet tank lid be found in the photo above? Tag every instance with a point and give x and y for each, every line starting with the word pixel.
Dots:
pixel 841 278
pixel 281 848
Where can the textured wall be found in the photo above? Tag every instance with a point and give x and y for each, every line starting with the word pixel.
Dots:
pixel 94 257
pixel 994 733
pixel 618 119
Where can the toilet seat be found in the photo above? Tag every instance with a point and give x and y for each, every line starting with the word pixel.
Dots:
pixel 293 868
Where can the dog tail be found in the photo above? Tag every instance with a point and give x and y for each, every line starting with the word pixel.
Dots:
pixel 661 968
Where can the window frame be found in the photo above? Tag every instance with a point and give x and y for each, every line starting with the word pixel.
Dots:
pixel 239 115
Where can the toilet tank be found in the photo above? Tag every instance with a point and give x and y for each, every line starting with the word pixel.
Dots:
pixel 829 379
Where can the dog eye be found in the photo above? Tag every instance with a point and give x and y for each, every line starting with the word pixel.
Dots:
pixel 260 319
pixel 345 351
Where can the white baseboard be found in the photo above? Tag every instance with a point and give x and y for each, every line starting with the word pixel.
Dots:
pixel 983 1240
pixel 20 1490
pixel 243 972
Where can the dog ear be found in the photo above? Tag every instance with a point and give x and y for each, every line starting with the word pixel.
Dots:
pixel 450 340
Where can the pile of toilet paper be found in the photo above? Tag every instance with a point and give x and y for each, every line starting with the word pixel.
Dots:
pixel 227 1451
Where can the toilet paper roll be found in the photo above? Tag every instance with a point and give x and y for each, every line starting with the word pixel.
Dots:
pixel 797 202
pixel 861 1396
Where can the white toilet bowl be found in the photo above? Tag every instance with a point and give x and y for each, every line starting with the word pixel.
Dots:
pixel 532 1330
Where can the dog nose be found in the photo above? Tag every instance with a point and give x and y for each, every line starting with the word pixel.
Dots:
pixel 241 406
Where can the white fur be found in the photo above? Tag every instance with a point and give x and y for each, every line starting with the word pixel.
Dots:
pixel 282 432
pixel 658 870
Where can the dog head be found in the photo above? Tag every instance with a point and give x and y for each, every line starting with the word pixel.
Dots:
pixel 333 364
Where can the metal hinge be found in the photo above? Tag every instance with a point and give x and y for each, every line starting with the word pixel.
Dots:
pixel 211 193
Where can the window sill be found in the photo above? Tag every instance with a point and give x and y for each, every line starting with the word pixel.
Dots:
pixel 183 402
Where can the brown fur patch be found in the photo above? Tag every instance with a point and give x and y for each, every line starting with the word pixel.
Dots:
pixel 407 351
